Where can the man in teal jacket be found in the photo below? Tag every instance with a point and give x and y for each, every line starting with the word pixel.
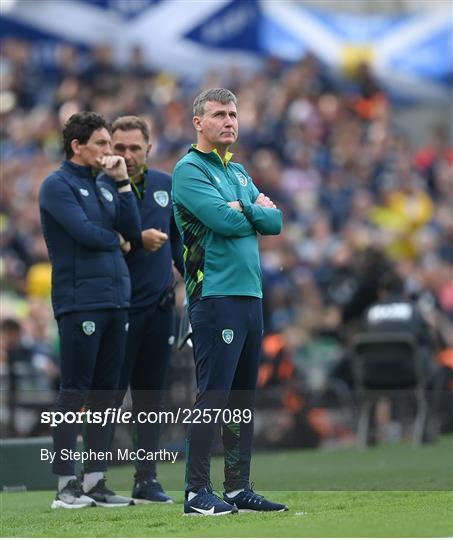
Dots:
pixel 219 213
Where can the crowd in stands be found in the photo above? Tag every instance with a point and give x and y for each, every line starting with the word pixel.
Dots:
pixel 356 196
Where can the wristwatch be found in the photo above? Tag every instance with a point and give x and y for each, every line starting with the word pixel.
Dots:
pixel 122 183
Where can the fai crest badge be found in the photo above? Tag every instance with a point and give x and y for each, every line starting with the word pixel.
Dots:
pixel 106 194
pixel 161 197
pixel 227 335
pixel 88 327
pixel 242 179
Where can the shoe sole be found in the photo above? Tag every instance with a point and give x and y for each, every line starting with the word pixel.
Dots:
pixel 197 514
pixel 147 501
pixel 67 506
pixel 248 510
pixel 114 505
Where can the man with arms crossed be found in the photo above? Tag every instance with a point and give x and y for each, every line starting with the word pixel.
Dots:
pixel 84 231
pixel 219 212
pixel 151 315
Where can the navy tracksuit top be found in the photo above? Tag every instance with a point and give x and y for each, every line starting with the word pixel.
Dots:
pixel 80 221
pixel 152 272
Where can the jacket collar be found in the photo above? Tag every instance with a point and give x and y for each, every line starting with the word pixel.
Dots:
pixel 83 171
pixel 212 156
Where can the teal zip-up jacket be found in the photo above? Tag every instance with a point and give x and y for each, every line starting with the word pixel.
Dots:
pixel 221 253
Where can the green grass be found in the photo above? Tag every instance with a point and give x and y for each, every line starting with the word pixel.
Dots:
pixel 312 514
pixel 398 467
pixel 387 491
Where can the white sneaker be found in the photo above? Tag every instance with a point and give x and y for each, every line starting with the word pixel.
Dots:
pixel 72 496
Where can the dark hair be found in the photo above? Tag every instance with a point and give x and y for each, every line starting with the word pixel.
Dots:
pixel 391 283
pixel 81 126
pixel 10 325
pixel 222 95
pixel 128 123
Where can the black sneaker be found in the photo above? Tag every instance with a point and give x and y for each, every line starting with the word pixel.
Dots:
pixel 103 496
pixel 72 496
pixel 149 491
pixel 249 501
pixel 206 503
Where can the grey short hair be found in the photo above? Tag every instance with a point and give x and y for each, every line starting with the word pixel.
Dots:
pixel 222 95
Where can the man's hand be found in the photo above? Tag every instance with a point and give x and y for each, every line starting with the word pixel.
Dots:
pixel 114 166
pixel 264 201
pixel 125 246
pixel 153 239
pixel 235 205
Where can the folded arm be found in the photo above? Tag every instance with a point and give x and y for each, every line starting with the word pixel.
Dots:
pixel 61 203
pixel 193 190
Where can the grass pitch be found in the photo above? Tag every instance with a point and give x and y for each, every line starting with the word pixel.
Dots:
pixel 388 491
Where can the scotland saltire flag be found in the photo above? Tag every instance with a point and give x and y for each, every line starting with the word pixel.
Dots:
pixel 410 53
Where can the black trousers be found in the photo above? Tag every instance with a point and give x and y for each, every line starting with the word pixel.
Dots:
pixel 145 369
pixel 92 347
pixel 227 336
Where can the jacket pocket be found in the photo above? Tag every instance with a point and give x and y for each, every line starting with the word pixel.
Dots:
pixel 96 290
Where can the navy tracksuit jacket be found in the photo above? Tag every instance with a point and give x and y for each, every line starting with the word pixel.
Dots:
pixel 80 222
pixel 90 295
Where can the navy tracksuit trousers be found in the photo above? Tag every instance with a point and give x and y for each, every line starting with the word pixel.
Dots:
pixel 92 345
pixel 227 335
pixel 148 350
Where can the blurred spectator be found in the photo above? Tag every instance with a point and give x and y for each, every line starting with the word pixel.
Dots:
pixel 371 100
pixel 29 360
pixel 395 312
pixel 371 265
pixel 102 75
